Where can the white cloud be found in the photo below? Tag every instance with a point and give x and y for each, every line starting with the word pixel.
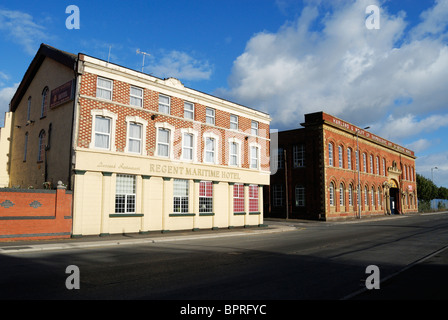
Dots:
pixel 6 95
pixel 424 165
pixel 409 125
pixel 20 27
pixel 179 65
pixel 419 145
pixel 343 68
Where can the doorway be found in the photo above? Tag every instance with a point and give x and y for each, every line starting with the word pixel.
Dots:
pixel 394 200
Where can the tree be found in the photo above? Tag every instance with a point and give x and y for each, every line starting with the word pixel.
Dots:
pixel 427 190
pixel 442 193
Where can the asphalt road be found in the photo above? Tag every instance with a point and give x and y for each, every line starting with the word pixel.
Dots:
pixel 313 261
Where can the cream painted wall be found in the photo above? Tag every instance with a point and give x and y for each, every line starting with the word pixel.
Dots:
pixel 5 136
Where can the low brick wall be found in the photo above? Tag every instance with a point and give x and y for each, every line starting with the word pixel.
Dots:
pixel 35 214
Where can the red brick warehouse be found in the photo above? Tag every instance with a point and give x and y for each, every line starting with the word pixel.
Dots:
pixel 317 173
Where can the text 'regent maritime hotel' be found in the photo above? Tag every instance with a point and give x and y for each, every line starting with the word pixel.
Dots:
pixel 140 153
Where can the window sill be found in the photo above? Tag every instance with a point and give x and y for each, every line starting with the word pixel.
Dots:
pixel 239 213
pixel 120 215
pixel 206 214
pixel 182 214
pixel 255 212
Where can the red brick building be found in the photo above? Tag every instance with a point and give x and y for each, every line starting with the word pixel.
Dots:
pixel 318 175
pixel 140 153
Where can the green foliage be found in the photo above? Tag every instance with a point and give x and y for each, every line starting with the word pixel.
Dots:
pixel 426 189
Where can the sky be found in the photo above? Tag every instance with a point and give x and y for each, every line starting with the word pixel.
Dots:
pixel 387 69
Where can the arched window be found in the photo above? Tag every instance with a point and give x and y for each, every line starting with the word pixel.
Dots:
pixel 331 194
pixel 349 158
pixel 45 98
pixel 379 197
pixel 330 154
pixel 341 161
pixel 41 147
pixel 364 162
pixel 350 195
pixel 341 195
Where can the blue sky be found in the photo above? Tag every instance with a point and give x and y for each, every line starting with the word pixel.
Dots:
pixel 284 57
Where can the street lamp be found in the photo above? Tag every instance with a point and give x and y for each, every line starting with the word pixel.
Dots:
pixel 358 165
pixel 432 174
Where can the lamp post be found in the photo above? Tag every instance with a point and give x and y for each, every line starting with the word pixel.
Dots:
pixel 432 174
pixel 358 165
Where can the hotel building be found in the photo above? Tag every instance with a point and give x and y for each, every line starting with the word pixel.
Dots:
pixel 320 176
pixel 139 152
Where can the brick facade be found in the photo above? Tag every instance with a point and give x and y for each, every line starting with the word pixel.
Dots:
pixel 325 185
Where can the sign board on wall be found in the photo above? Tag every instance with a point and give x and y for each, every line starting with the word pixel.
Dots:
pixel 61 94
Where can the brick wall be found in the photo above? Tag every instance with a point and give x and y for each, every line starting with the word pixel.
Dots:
pixel 35 214
pixel 120 106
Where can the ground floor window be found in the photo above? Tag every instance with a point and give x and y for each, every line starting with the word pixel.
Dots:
pixel 205 197
pixel 278 195
pixel 238 197
pixel 180 199
pixel 125 194
pixel 300 196
pixel 253 198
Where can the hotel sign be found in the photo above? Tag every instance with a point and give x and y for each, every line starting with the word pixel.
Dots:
pixel 61 94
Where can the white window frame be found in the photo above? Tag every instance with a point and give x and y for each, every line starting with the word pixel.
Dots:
pixel 127 195
pixel 257 155
pixel 234 123
pixel 331 194
pixel 135 97
pixel 349 158
pixel 210 119
pixel 188 111
pixel 193 133
pixel 254 128
pixel 106 114
pixel 330 154
pixel 144 124
pixel 204 199
pixel 164 105
pixel 215 137
pixel 181 198
pixel 238 148
pixel 166 126
pixel 341 156
pixel 101 89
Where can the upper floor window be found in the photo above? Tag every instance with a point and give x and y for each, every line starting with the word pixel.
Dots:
pixel 349 158
pixel 25 146
pixel 254 157
pixel 163 142
pixel 341 159
pixel 371 164
pixel 45 100
pixel 164 104
pixel 364 162
pixel 233 122
pixel 28 110
pixel 41 146
pixel 210 116
pixel 135 137
pixel 254 128
pixel 104 88
pixel 102 132
pixel 210 148
pixel 187 146
pixel 330 154
pixel 188 110
pixel 234 154
pixel 136 97
pixel 298 153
